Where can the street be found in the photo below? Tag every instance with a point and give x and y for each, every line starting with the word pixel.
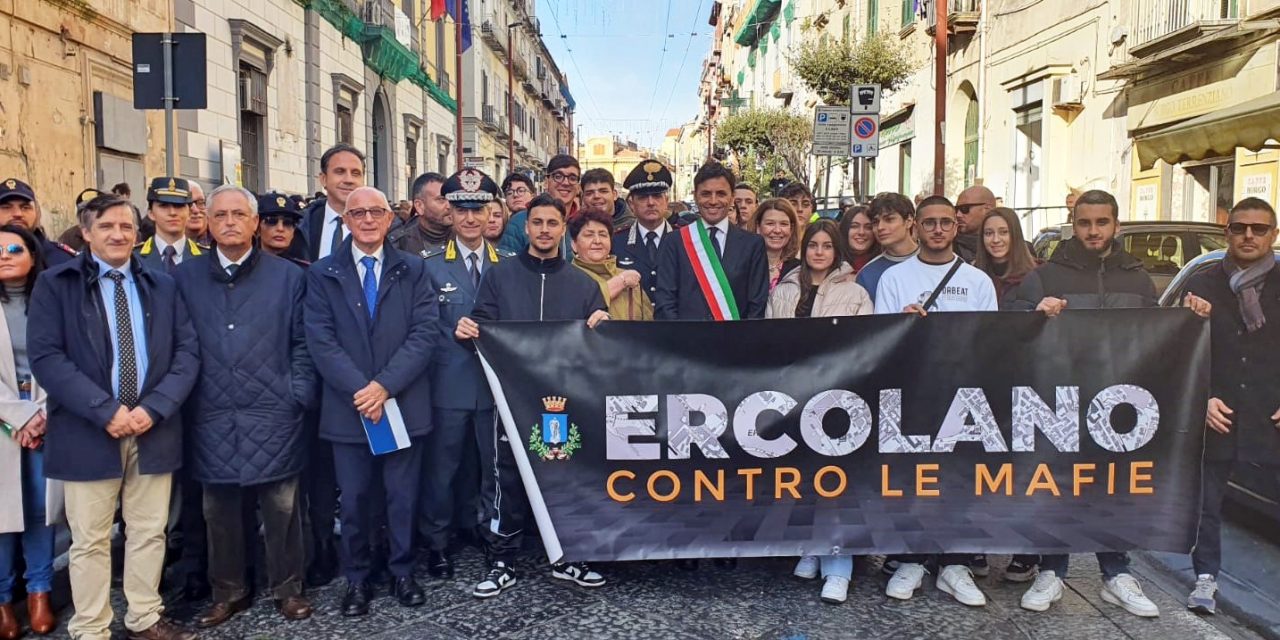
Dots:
pixel 759 599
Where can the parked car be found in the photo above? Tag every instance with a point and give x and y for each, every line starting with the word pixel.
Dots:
pixel 1253 485
pixel 1164 247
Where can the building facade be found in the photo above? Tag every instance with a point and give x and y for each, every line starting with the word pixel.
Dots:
pixel 617 156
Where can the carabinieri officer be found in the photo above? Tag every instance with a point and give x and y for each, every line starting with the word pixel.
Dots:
pixel 462 405
pixel 647 186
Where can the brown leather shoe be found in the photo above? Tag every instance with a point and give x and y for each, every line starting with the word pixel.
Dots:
pixel 220 612
pixel 9 627
pixel 294 608
pixel 162 630
pixel 40 611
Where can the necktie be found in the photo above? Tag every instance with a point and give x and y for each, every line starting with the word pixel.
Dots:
pixel 124 336
pixel 170 255
pixel 651 245
pixel 232 269
pixel 370 284
pixel 336 241
pixel 474 268
pixel 715 240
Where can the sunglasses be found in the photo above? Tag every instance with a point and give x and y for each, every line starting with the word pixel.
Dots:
pixel 964 208
pixel 271 221
pixel 1258 228
pixel 12 250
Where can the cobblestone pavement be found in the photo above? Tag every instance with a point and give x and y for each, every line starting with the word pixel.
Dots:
pixel 758 599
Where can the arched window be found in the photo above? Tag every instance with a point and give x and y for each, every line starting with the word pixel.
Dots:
pixel 971 141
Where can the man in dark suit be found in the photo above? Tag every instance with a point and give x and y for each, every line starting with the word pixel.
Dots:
pixel 371 330
pixel 317 235
pixel 462 406
pixel 169 207
pixel 112 344
pixel 648 186
pixel 712 270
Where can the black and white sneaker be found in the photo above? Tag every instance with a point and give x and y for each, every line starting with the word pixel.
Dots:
pixel 500 578
pixel 578 573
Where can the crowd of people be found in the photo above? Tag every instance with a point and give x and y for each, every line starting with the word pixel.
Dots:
pixel 234 370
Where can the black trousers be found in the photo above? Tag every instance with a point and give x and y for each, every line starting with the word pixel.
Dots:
pixel 502 497
pixel 398 474
pixel 450 481
pixel 186 520
pixel 230 549
pixel 320 489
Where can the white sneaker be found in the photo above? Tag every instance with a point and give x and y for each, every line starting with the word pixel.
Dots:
pixel 1125 592
pixel 1202 599
pixel 957 580
pixel 835 590
pixel 807 568
pixel 905 581
pixel 1046 590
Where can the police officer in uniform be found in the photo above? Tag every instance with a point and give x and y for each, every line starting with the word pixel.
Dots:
pixel 169 205
pixel 648 186
pixel 278 218
pixel 18 206
pixel 462 407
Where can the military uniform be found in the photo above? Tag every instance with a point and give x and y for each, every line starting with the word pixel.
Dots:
pixel 637 247
pixel 173 191
pixel 55 253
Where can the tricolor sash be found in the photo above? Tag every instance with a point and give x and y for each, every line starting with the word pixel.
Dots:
pixel 706 267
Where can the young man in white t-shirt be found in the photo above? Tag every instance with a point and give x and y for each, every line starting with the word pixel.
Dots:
pixel 907 287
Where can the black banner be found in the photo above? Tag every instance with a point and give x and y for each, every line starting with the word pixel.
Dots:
pixel 959 432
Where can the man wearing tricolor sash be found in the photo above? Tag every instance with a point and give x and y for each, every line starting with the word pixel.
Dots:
pixel 712 270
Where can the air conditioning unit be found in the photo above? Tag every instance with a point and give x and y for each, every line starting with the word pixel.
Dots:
pixel 1068 92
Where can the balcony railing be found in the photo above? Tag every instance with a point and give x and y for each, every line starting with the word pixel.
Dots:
pixel 1158 18
pixel 489 117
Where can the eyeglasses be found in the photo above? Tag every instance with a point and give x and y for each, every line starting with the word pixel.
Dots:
pixel 12 250
pixel 565 178
pixel 377 213
pixel 517 191
pixel 1258 228
pixel 964 208
pixel 198 203
pixel 271 221
pixel 946 224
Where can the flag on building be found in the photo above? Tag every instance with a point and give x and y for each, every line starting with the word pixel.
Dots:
pixel 458 11
pixel 437 9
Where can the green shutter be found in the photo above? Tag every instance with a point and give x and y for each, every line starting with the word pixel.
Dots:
pixel 908 12
pixel 789 12
pixel 742 77
pixel 775 31
pixel 971 143
pixel 873 17
pixel 751 58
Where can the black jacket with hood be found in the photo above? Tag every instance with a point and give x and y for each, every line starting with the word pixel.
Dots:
pixel 1088 281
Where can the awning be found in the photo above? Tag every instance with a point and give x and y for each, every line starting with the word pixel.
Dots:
pixel 1249 125
pixel 756 21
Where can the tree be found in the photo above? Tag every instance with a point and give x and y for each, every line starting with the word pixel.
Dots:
pixel 830 67
pixel 763 132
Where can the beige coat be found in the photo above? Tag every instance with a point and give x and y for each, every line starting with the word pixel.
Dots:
pixel 838 295
pixel 16 412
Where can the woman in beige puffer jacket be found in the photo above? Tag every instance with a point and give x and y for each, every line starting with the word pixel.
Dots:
pixel 838 295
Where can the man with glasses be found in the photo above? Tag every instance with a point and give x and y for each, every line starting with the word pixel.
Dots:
pixel 1243 418
pixel 197 223
pixel 462 406
pixel 371 331
pixel 564 176
pixel 1089 271
pixel 971 209
pixel 278 218
pixel 427 231
pixel 893 221
pixel 935 280
pixel 517 189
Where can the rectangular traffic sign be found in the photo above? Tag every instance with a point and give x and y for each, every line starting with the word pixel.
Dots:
pixel 830 130
pixel 864 98
pixel 864 139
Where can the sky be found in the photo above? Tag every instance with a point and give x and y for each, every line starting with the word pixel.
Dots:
pixel 632 65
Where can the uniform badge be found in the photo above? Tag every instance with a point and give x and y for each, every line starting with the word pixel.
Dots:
pixel 626 262
pixel 280 201
pixel 172 184
pixel 556 438
pixel 651 168
pixel 448 288
pixel 12 184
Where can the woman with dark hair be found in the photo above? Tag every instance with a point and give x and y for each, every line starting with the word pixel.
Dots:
pixel 855 226
pixel 1003 254
pixel 23 487
pixel 775 221
pixel 592 234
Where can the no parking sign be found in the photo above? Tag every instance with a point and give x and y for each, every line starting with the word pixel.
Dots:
pixel 865 138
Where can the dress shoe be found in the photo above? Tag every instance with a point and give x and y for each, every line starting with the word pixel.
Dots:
pixel 195 587
pixel 408 592
pixel 439 565
pixel 162 630
pixel 294 608
pixel 9 627
pixel 40 613
pixel 356 602
pixel 220 612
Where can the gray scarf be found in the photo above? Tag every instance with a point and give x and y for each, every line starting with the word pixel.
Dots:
pixel 1247 285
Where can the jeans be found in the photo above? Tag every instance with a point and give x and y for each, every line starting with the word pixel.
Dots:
pixel 1112 564
pixel 841 566
pixel 36 538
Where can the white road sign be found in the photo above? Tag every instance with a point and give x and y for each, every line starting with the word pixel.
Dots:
pixel 830 131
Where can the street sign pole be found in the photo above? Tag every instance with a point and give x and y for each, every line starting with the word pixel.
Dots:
pixel 169 99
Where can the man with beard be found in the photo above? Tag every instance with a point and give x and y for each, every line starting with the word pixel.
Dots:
pixel 971 209
pixel 18 206
pixel 647 186
pixel 426 232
